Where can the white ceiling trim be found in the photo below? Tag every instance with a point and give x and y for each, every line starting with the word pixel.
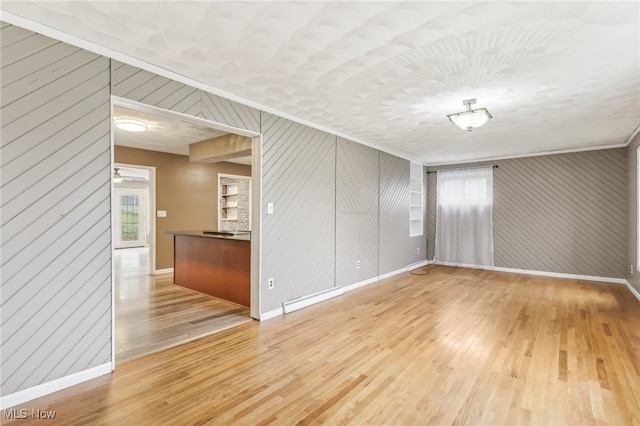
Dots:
pixel 105 51
pixel 533 154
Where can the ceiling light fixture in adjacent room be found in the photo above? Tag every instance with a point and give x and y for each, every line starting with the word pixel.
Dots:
pixel 471 118
pixel 130 124
pixel 117 178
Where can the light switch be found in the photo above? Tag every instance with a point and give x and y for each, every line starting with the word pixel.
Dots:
pixel 162 213
pixel 269 208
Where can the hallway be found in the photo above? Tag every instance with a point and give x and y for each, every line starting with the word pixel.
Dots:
pixel 153 314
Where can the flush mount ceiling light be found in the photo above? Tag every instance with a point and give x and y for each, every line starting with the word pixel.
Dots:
pixel 471 118
pixel 117 178
pixel 130 124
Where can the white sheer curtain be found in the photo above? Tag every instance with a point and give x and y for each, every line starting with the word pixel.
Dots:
pixel 464 230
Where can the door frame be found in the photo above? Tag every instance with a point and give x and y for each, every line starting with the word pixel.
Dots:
pixel 152 212
pixel 256 202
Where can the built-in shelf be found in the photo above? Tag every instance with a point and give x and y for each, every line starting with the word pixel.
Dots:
pixel 229 202
pixel 416 213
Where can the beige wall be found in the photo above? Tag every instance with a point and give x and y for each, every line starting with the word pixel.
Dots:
pixel 632 213
pixel 187 191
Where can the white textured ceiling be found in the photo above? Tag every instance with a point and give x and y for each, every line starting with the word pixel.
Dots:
pixel 554 75
pixel 163 133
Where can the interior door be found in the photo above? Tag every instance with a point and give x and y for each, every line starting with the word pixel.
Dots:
pixel 130 217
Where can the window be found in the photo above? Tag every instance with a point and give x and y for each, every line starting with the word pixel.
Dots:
pixel 464 189
pixel 464 231
pixel 638 208
pixel 416 227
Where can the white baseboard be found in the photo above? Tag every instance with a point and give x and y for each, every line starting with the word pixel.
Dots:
pixel 360 284
pixel 563 275
pixel 465 265
pixel 38 391
pixel 632 289
pixel 163 271
pixel 540 273
pixel 303 302
pixel 418 264
pixel 271 314
pixel 392 273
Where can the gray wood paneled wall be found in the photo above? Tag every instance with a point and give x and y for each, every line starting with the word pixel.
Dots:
pixel 55 197
pixel 395 199
pixel 563 213
pixel 298 240
pixel 357 211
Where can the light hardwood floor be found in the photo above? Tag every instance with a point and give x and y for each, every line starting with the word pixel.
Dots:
pixel 456 346
pixel 153 314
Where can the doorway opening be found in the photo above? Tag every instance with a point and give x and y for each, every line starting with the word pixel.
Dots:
pixel 150 312
pixel 133 199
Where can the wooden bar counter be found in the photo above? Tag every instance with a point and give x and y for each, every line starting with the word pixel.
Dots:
pixel 214 263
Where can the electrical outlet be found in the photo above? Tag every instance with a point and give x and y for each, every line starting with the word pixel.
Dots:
pixel 270 283
pixel 418 250
pixel 631 269
pixel 357 264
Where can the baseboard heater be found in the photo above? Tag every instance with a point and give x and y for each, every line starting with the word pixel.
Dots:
pixel 312 299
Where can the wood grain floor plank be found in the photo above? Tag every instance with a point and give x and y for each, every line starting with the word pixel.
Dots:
pixel 455 346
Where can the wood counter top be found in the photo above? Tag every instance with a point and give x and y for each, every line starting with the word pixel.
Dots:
pixel 226 235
